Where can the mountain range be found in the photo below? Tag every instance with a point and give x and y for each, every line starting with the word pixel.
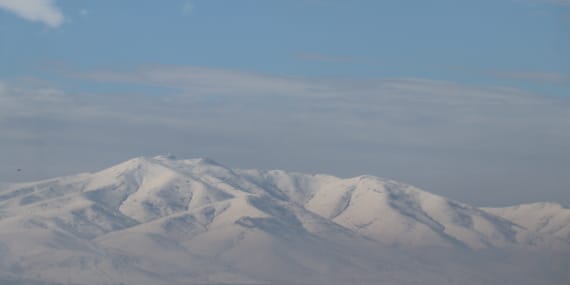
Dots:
pixel 159 220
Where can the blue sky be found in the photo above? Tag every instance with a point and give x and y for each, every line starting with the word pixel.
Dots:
pixel 468 99
pixel 470 41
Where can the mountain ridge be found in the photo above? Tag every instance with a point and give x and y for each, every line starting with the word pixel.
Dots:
pixel 196 219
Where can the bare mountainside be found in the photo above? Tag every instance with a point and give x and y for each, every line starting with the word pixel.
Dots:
pixel 165 221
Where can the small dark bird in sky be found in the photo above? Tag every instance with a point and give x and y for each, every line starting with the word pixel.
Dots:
pixel 18 169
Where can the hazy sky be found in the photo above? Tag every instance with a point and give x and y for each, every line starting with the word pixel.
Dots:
pixel 469 99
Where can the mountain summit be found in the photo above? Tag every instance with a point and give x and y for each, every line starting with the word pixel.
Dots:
pixel 161 220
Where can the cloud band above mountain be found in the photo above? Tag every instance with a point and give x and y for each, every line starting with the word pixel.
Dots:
pixel 438 134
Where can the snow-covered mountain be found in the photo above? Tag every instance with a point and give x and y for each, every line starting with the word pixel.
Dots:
pixel 165 221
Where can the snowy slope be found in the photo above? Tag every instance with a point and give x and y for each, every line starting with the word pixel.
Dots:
pixel 541 224
pixel 165 221
pixel 391 212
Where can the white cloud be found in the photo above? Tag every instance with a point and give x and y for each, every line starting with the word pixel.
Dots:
pixel 44 11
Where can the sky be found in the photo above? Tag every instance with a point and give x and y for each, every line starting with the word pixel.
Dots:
pixel 467 99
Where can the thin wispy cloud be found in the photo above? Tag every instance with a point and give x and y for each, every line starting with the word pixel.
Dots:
pixel 202 80
pixel 551 2
pixel 43 11
pixel 541 77
pixel 557 2
pixel 326 58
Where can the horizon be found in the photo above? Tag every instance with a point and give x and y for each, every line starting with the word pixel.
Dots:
pixel 173 157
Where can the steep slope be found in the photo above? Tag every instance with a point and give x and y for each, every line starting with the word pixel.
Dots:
pixel 165 221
